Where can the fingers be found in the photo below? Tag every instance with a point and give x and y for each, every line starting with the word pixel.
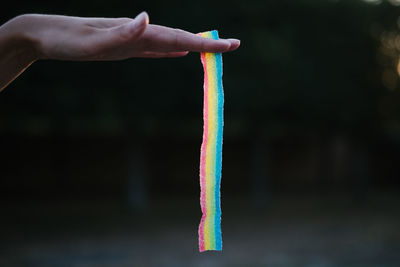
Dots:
pixel 164 39
pixel 124 38
pixel 103 23
pixel 193 42
pixel 163 54
pixel 160 40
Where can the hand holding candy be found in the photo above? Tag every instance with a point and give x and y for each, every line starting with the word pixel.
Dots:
pixel 31 37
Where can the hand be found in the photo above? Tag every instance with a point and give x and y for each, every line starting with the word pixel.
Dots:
pixel 28 38
pixel 74 38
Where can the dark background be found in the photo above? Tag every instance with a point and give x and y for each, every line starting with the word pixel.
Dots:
pixel 99 161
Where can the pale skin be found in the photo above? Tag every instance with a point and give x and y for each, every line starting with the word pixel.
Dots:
pixel 28 38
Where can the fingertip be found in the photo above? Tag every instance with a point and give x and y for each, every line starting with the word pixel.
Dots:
pixel 142 19
pixel 235 43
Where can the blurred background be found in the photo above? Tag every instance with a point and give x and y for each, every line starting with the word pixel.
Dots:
pixel 99 161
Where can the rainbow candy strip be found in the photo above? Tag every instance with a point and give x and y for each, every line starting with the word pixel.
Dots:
pixel 211 150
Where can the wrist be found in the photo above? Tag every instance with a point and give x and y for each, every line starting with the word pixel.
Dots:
pixel 17 49
pixel 20 39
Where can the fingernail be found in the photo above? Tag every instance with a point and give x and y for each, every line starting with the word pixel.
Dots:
pixel 236 41
pixel 143 15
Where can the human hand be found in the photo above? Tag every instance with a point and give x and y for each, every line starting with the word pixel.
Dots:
pixel 75 38
pixel 31 37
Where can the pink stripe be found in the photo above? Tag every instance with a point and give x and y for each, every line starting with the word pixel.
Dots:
pixel 203 157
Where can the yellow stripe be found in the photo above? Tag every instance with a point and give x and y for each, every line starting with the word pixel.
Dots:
pixel 210 152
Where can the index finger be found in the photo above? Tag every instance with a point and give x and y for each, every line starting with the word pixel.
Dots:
pixel 164 39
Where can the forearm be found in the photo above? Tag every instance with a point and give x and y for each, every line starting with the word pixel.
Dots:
pixel 17 50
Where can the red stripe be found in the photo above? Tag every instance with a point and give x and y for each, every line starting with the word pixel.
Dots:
pixel 203 157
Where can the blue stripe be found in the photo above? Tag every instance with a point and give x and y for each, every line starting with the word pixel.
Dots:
pixel 218 158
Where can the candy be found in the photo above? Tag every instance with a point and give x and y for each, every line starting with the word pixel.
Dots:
pixel 211 150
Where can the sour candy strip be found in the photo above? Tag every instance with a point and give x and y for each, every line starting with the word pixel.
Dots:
pixel 211 150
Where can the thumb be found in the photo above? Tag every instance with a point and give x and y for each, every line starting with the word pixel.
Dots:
pixel 106 39
pixel 135 28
